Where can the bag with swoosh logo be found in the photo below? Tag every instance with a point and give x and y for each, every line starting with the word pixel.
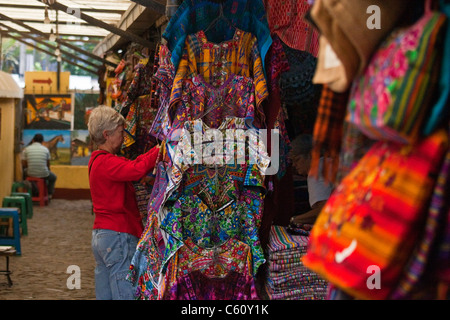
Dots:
pixel 365 234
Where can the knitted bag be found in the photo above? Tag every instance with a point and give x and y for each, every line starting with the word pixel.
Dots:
pixel 390 101
pixel 374 217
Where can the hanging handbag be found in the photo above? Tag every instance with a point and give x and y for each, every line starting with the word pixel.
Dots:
pixel 370 224
pixel 392 98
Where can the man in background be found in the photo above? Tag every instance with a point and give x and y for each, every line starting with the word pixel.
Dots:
pixel 36 162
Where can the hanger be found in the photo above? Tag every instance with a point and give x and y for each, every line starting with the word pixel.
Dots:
pixel 220 17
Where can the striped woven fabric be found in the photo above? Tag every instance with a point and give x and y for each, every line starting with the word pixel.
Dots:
pixel 280 240
pixel 287 277
pixel 374 217
pixel 436 214
pixel 328 133
pixel 391 99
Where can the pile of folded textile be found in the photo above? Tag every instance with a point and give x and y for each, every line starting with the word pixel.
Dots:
pixel 287 277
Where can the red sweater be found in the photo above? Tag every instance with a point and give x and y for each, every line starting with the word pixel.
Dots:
pixel 112 192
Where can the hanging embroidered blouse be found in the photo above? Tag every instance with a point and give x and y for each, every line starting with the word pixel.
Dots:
pixel 286 19
pixel 217 62
pixel 147 261
pixel 244 146
pixel 139 121
pixel 196 286
pixel 216 202
pixel 231 258
pixel 214 205
pixel 164 77
pixel 235 98
pixel 195 15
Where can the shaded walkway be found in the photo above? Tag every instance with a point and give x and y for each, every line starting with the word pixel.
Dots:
pixel 59 235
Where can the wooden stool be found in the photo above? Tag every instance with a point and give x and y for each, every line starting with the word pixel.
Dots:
pixel 43 191
pixel 18 202
pixel 12 214
pixel 7 252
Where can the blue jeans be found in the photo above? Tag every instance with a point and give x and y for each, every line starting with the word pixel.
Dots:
pixel 113 252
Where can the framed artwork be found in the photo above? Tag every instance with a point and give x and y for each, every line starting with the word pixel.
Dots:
pixel 48 112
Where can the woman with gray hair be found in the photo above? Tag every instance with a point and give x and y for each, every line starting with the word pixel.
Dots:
pixel 117 225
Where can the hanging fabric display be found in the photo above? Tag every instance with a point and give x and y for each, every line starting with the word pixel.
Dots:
pixel 286 20
pixel 201 238
pixel 196 15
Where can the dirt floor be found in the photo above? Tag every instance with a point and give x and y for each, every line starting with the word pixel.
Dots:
pixel 59 236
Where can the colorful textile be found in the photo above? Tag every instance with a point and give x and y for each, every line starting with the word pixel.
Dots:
pixel 163 77
pixel 282 240
pixel 196 286
pixel 328 133
pixel 391 99
pixel 140 85
pixel 243 147
pixel 217 62
pixel 200 100
pixel 286 19
pixel 231 257
pixel 214 205
pixel 287 277
pixel 421 257
pixel 195 15
pixel 149 256
pixel 375 215
pixel 296 83
pixel 139 121
pixel 147 261
pixel 274 113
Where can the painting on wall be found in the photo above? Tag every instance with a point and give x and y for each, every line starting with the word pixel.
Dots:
pixel 57 142
pixel 81 147
pixel 48 112
pixel 84 103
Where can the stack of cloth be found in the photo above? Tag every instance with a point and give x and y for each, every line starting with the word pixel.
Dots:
pixel 287 277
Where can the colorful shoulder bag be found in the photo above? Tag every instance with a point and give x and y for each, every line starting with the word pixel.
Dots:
pixel 392 98
pixel 371 222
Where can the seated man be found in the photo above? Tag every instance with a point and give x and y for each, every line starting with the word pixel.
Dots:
pixel 36 162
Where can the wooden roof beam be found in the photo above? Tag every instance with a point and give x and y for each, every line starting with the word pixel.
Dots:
pixel 87 9
pixel 103 25
pixel 51 54
pixel 60 41
pixel 69 54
